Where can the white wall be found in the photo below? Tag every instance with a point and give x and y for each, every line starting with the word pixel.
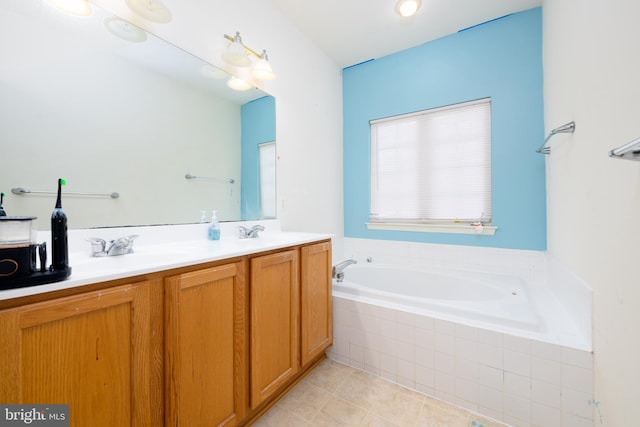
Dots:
pixel 308 92
pixel 591 62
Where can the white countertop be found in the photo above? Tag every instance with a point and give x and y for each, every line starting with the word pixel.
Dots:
pixel 160 248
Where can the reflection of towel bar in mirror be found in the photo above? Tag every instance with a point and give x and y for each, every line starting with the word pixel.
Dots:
pixel 568 128
pixel 228 181
pixel 628 151
pixel 22 191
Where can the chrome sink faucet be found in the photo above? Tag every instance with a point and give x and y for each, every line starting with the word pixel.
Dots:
pixel 249 233
pixel 337 270
pixel 120 246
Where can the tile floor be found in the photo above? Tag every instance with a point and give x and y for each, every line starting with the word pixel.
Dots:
pixel 335 395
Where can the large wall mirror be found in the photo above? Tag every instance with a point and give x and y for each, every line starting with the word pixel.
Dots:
pixel 129 117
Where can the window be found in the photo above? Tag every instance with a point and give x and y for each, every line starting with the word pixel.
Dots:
pixel 433 166
pixel 267 156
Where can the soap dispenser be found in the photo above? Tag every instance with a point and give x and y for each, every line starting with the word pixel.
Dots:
pixel 214 227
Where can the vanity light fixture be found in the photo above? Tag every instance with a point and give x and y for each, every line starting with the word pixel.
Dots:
pixel 406 8
pixel 125 30
pixel 74 7
pixel 239 55
pixel 151 10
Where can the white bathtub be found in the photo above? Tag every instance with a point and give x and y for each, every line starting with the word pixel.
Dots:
pixel 470 298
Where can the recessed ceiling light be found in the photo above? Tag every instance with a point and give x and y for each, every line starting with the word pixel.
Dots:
pixel 407 8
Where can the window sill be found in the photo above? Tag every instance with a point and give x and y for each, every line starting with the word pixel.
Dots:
pixel 486 230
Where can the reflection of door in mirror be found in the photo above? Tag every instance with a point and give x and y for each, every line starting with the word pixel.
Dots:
pixel 258 128
pixel 110 115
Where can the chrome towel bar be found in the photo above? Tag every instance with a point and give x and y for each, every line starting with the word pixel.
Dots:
pixel 23 191
pixel 568 128
pixel 229 181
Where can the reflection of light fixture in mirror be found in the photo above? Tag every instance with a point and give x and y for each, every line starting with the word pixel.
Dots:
pixel 211 72
pixel 74 7
pixel 238 55
pixel 152 10
pixel 407 8
pixel 238 84
pixel 125 30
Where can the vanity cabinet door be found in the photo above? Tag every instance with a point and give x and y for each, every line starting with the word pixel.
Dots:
pixel 315 296
pixel 92 351
pixel 206 347
pixel 275 307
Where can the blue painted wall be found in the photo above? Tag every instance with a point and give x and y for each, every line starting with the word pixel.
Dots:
pixel 501 59
pixel 258 125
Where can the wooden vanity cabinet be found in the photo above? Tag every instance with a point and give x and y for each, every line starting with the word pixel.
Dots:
pixel 274 314
pixel 208 345
pixel 316 324
pixel 92 351
pixel 206 332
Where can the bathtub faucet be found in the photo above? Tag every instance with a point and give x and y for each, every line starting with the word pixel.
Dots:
pixel 337 273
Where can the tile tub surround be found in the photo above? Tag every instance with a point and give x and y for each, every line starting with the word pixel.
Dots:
pixel 562 299
pixel 518 381
pixel 513 379
pixel 334 394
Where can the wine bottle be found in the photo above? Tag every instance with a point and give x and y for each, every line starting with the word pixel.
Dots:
pixel 59 243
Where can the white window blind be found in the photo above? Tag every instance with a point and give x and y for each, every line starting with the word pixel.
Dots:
pixel 432 166
pixel 267 159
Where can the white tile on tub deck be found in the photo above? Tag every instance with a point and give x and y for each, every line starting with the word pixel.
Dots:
pixel 577 378
pixel 581 358
pixel 387 313
pixel 445 384
pixel 389 346
pixel 491 398
pixel 425 338
pixel 388 328
pixel 546 394
pixel 405 318
pixel 406 351
pixel 356 353
pixel 492 413
pixel 423 322
pixel 372 341
pixel 389 365
pixel 491 377
pixel 407 371
pixel 356 336
pixel 445 343
pixel 466 369
pixel 425 357
pixel 545 350
pixel 425 376
pixel 445 363
pixel 546 370
pixel 370 323
pixel 467 349
pixel 490 355
pixel 495 339
pixel 517 363
pixel 517 385
pixel 545 416
pixel 521 345
pixel 372 361
pixel 444 327
pixel 517 407
pixel 466 332
pixel 406 333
